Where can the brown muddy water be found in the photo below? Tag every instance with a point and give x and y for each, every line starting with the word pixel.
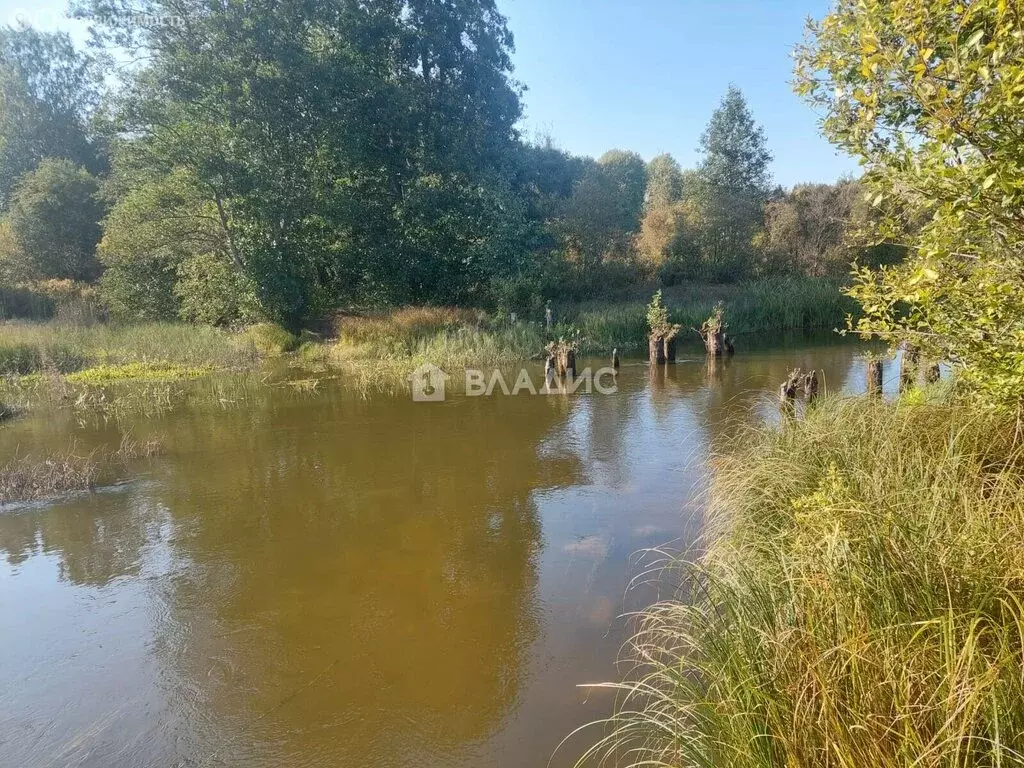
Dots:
pixel 328 579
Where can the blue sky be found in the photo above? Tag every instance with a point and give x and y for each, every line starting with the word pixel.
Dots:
pixel 646 74
pixel 643 74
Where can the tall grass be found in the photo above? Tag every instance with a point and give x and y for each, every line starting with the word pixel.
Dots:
pixel 31 347
pixel 860 603
pixel 779 304
pixel 440 335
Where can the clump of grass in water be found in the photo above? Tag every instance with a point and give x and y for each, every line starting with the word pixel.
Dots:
pixel 378 352
pixel 29 478
pixel 861 603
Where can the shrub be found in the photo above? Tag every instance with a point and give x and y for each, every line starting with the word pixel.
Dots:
pixel 269 339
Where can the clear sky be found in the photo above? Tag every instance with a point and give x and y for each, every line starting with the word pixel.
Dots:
pixel 646 74
pixel 642 74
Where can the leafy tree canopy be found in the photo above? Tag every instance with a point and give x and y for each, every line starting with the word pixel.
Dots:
pixel 48 91
pixel 54 219
pixel 929 95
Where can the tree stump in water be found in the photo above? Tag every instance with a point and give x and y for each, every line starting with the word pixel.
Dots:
pixel 909 367
pixel 670 349
pixel 561 358
pixel 787 392
pixel 875 377
pixel 656 349
pixel 615 359
pixel 811 387
pixel 716 342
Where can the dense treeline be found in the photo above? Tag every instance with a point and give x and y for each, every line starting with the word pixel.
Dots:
pixel 357 154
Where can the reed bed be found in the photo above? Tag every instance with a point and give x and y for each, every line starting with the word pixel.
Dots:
pixel 860 603
pixel 35 347
pixel 778 304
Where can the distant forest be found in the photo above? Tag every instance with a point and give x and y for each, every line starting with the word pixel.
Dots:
pixel 205 164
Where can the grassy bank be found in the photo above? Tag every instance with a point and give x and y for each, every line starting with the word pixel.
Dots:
pixel 377 349
pixel 860 603
pixel 112 368
pixel 460 337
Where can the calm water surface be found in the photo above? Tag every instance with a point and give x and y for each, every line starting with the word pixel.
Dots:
pixel 330 580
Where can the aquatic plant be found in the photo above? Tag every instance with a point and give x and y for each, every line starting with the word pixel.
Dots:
pixel 28 478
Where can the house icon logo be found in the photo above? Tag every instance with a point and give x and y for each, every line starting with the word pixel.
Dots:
pixel 428 384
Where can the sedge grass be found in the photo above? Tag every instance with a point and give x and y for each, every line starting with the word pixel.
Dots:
pixel 860 603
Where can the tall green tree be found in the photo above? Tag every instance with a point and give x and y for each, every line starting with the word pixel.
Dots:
pixel 929 95
pixel 664 181
pixel 626 172
pixel 54 217
pixel 48 92
pixel 734 148
pixel 731 188
pixel 349 149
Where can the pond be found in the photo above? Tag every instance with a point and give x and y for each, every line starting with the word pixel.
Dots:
pixel 332 579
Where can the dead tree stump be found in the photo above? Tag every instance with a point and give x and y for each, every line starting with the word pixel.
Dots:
pixel 811 387
pixel 615 359
pixel 570 362
pixel 909 367
pixel 656 349
pixel 875 377
pixel 716 342
pixel 670 349
pixel 787 392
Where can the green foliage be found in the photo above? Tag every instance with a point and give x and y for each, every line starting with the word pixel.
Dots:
pixel 368 155
pixel 48 91
pixel 54 220
pixel 211 291
pixel 269 339
pixel 657 319
pixel 856 604
pixel 664 181
pixel 809 231
pixel 929 96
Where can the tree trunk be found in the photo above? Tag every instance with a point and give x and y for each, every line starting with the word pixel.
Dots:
pixel 656 349
pixel 570 362
pixel 909 367
pixel 714 343
pixel 811 387
pixel 875 377
pixel 670 350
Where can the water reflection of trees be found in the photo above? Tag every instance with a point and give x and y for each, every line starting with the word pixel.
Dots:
pixel 96 537
pixel 733 393
pixel 387 546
